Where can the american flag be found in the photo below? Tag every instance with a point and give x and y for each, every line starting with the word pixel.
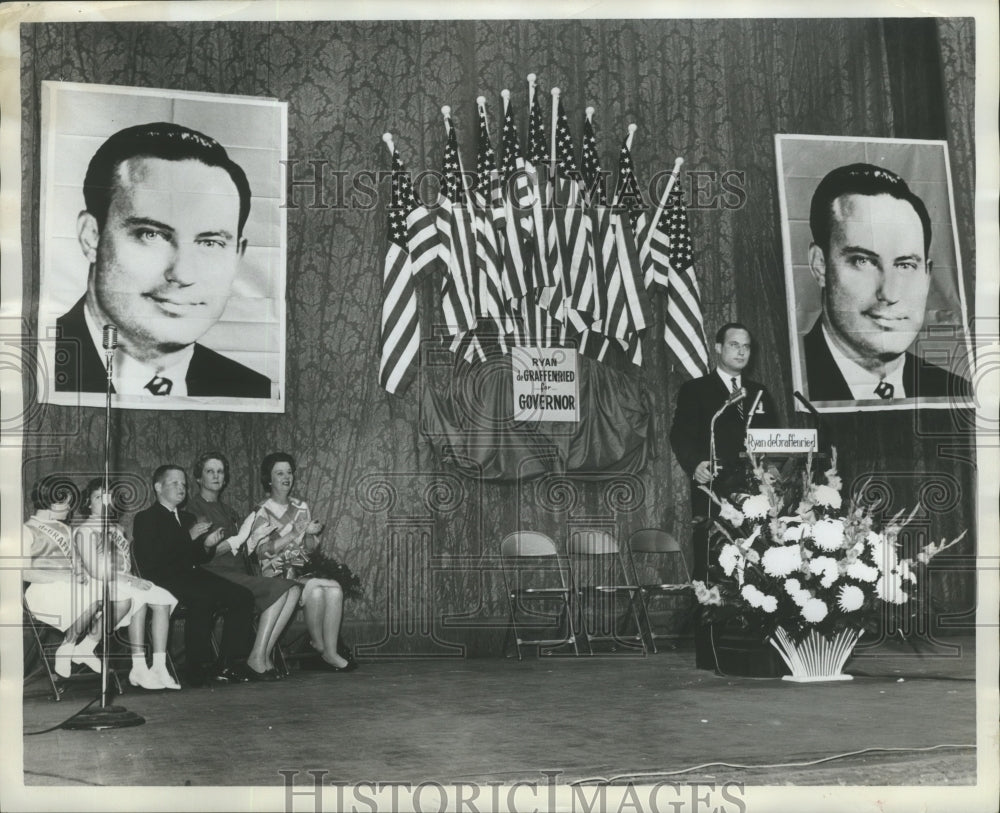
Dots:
pixel 457 243
pixel 412 246
pixel 601 242
pixel 684 331
pixel 572 231
pixel 518 202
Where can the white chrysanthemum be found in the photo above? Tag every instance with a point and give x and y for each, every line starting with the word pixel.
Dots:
pixel 730 513
pixel 768 603
pixel 714 597
pixel 781 561
pixel 829 497
pixel 814 610
pixel 827 567
pixel 884 555
pixel 829 533
pixel 758 599
pixel 862 572
pixel 728 557
pixel 905 571
pixel 890 589
pixel 851 598
pixel 756 507
pixel 794 588
pixel 793 533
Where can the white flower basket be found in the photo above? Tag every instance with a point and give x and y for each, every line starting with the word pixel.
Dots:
pixel 816 658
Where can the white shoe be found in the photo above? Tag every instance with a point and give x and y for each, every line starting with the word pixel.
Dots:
pixel 162 675
pixel 62 658
pixel 85 655
pixel 141 676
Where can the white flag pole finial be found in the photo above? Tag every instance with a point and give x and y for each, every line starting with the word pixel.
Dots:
pixel 505 95
pixel 589 112
pixel 446 113
pixel 555 117
pixel 532 78
pixel 387 138
pixel 631 132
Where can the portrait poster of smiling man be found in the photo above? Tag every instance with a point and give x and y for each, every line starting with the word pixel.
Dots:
pixel 876 295
pixel 162 249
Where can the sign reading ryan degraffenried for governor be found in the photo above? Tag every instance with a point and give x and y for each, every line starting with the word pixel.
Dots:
pixel 546 385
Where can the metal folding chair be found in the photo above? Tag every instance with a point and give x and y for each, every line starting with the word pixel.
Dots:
pixel 534 573
pixel 653 550
pixel 600 580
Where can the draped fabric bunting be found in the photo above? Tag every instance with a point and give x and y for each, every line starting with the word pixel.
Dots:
pixel 412 247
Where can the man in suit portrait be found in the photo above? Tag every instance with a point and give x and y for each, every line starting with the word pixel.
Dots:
pixel 163 233
pixel 870 254
pixel 697 402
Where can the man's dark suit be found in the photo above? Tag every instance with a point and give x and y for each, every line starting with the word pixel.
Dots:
pixel 80 367
pixel 167 556
pixel 698 400
pixel 921 379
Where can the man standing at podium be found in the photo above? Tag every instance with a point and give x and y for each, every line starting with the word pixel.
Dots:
pixel 697 402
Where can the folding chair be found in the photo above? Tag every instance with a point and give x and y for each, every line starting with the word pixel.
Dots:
pixel 533 572
pixel 599 580
pixel 39 630
pixel 657 550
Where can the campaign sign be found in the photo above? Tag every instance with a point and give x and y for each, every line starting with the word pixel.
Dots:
pixel 545 384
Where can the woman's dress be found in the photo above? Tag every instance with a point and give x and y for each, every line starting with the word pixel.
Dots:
pixel 293 559
pixel 236 567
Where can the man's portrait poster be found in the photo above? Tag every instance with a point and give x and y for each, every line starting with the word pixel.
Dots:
pixel 162 247
pixel 877 313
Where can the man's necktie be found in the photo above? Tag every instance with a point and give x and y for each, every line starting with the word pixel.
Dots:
pixel 884 390
pixel 739 406
pixel 158 385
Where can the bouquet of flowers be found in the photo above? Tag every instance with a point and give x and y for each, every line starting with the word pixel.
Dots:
pixel 819 564
pixel 327 567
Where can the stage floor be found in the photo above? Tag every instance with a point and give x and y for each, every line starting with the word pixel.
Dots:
pixel 612 717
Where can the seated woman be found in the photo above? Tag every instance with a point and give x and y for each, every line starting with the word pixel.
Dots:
pixel 117 568
pixel 282 534
pixel 62 593
pixel 275 599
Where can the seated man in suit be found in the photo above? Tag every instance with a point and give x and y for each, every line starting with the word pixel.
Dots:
pixel 697 401
pixel 870 255
pixel 169 549
pixel 163 233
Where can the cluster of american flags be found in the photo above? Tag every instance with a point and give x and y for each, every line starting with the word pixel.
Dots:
pixel 528 250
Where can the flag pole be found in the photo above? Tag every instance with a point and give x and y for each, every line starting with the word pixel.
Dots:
pixel 387 138
pixel 663 202
pixel 555 119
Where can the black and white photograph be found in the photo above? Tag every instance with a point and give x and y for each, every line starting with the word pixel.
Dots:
pixel 536 407
pixel 161 218
pixel 875 281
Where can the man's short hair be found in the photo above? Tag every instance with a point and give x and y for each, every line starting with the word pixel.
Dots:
pixel 161 472
pixel 720 334
pixel 860 179
pixel 161 139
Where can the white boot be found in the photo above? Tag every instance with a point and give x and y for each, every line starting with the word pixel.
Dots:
pixel 162 674
pixel 142 677
pixel 83 653
pixel 63 664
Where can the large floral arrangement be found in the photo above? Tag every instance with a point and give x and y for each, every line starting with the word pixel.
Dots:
pixel 805 559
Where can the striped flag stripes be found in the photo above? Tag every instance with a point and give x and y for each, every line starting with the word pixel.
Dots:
pixel 412 246
pixel 518 199
pixel 489 215
pixel 684 330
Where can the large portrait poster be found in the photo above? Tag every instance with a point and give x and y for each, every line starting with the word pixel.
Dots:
pixel 146 224
pixel 877 311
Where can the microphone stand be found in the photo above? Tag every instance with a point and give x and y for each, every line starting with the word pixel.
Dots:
pixel 106 716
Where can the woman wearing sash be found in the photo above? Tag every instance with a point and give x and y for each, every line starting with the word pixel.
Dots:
pixel 283 533
pixel 88 538
pixel 274 599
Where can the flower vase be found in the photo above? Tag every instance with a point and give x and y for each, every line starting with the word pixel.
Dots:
pixel 816 657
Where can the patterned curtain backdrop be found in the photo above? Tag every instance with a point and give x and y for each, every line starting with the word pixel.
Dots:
pixel 713 91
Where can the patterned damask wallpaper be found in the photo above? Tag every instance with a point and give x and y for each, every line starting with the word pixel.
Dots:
pixel 713 91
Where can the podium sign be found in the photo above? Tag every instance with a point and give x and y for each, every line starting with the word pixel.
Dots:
pixel 546 387
pixel 782 441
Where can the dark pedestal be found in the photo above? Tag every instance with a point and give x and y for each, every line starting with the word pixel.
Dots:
pixel 734 651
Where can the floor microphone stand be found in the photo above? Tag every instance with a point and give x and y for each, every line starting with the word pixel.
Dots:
pixel 106 716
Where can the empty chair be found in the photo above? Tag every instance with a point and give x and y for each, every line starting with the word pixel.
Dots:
pixel 535 574
pixel 657 552
pixel 600 581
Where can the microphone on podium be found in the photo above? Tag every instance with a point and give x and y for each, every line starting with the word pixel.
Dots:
pixel 110 337
pixel 736 397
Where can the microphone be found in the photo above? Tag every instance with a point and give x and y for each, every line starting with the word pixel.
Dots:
pixel 110 337
pixel 737 396
pixel 806 403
